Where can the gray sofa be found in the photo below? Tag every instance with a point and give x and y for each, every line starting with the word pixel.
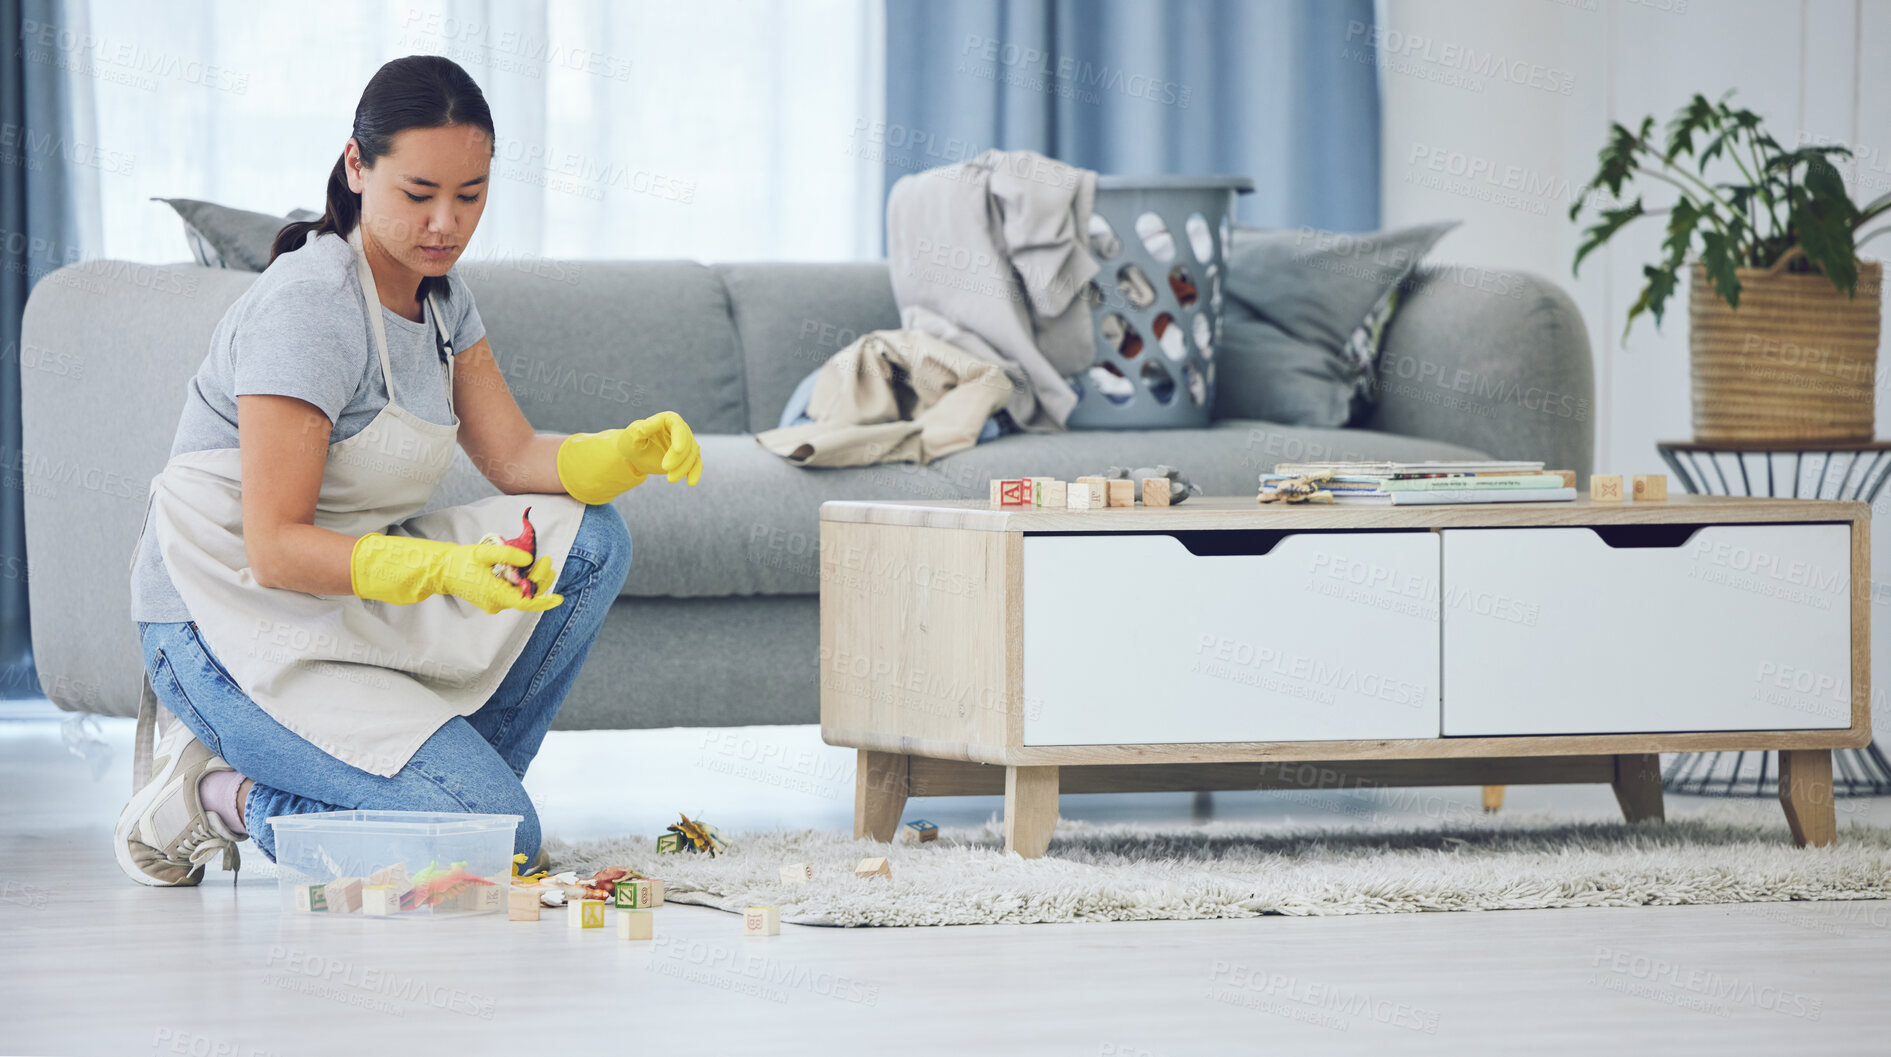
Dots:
pixel 717 622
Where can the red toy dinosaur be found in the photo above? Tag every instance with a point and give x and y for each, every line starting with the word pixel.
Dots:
pixel 526 541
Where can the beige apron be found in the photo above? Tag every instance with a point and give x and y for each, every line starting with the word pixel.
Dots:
pixel 363 680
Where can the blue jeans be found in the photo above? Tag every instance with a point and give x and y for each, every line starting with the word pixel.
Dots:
pixel 471 764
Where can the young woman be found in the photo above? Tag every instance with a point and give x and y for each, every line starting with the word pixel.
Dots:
pixel 321 644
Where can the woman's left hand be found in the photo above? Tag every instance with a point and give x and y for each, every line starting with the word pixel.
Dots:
pixel 597 467
pixel 662 443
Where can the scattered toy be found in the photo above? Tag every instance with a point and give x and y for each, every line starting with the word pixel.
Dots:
pixel 636 925
pixel 696 836
pixel 761 921
pixel 1180 488
pixel 1651 488
pixel 1605 488
pixel 797 873
pixel 585 914
pixel 522 904
pixel 1155 491
pixel 1011 492
pixel 874 867
pixel 311 898
pixel 1301 489
pixel 918 831
pixel 1083 495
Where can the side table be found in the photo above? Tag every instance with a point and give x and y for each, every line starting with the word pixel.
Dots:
pixel 1789 471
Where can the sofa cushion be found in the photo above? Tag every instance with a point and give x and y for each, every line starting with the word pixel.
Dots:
pixel 592 345
pixel 792 317
pixel 1303 318
pixel 751 525
pixel 223 237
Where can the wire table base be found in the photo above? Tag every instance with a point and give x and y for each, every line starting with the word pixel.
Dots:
pixel 1847 472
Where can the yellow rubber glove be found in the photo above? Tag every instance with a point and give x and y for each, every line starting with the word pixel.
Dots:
pixel 406 569
pixel 597 467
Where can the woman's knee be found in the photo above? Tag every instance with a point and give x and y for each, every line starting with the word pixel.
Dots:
pixel 603 534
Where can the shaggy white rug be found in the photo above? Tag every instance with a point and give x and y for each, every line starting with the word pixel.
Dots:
pixel 1225 870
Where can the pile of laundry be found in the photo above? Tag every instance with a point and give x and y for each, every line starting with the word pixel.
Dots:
pixel 990 262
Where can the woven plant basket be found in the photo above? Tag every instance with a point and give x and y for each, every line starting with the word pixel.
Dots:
pixel 1796 362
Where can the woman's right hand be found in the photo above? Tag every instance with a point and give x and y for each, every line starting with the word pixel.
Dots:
pixel 406 569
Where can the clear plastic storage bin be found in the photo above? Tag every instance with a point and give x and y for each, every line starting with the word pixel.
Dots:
pixel 407 864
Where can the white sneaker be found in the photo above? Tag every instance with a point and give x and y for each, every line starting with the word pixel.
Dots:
pixel 164 835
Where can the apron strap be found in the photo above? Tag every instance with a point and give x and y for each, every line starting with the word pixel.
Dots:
pixel 446 348
pixel 144 738
pixel 373 299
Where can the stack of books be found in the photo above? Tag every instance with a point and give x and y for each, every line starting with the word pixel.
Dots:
pixel 1425 483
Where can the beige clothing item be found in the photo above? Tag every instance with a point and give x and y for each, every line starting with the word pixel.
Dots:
pixel 363 680
pixel 893 396
pixel 992 255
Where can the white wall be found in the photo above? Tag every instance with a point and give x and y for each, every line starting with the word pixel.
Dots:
pixel 1532 145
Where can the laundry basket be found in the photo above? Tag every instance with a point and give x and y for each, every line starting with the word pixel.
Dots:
pixel 1161 241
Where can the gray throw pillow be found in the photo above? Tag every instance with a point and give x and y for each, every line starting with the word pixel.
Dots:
pixel 221 237
pixel 1303 317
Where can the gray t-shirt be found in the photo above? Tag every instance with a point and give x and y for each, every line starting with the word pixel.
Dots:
pixel 302 330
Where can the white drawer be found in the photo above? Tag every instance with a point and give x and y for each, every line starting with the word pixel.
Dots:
pixel 1135 639
pixel 1646 629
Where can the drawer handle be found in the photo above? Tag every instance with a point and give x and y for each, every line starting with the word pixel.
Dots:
pixel 1623 537
pixel 1231 543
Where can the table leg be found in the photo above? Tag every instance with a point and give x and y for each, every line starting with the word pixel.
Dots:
pixel 1638 786
pixel 1493 798
pixel 880 789
pixel 1030 809
pixel 1805 791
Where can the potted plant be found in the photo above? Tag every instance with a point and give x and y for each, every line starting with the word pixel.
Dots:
pixel 1783 316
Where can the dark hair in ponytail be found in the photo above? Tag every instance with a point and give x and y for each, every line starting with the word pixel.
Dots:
pixel 416 91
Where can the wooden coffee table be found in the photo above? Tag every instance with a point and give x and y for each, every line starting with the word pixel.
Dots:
pixel 1221 644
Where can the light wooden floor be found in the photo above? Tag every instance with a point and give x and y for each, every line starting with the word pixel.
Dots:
pixel 97 965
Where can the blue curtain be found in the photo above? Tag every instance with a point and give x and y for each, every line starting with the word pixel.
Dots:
pixel 38 234
pixel 1283 91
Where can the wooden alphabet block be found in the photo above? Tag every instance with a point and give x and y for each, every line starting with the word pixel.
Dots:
pixel 797 873
pixel 523 904
pixel 1605 488
pixel 624 895
pixel 670 844
pixel 311 898
pixel 918 831
pixel 1651 488
pixel 343 895
pixel 1122 492
pixel 1568 476
pixel 876 867
pixel 1155 491
pixel 1050 493
pixel 1082 496
pixel 636 925
pixel 649 893
pixel 380 900
pixel 1011 492
pixel 585 913
pixel 1099 491
pixel 761 921
pixel 480 898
